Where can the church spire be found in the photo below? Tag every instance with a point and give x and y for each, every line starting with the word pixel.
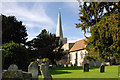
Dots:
pixel 59 32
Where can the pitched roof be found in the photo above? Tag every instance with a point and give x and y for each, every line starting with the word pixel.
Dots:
pixel 79 45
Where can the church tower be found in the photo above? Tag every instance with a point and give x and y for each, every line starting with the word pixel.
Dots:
pixel 59 32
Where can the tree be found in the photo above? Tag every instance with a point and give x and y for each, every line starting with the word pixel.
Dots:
pixel 91 13
pixel 13 53
pixel 13 30
pixel 104 28
pixel 104 42
pixel 47 45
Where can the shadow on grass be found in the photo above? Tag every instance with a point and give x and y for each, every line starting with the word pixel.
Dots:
pixel 94 67
pixel 54 72
pixel 72 68
pixel 68 68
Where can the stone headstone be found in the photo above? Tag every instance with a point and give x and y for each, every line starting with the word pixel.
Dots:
pixel 75 65
pixel 13 74
pixel 33 69
pixel 13 67
pixel 71 65
pixel 59 65
pixel 54 66
pixel 66 65
pixel 86 67
pixel 62 65
pixel 45 72
pixel 102 68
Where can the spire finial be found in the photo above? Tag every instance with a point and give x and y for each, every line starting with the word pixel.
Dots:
pixel 59 9
pixel 59 32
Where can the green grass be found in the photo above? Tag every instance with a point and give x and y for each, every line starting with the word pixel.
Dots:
pixel 110 72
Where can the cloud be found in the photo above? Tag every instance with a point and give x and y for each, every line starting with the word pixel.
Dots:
pixel 31 17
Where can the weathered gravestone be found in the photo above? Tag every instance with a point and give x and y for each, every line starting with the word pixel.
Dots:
pixel 33 69
pixel 62 65
pixel 75 65
pixel 13 67
pixel 13 72
pixel 66 65
pixel 71 65
pixel 45 72
pixel 102 68
pixel 86 67
pixel 54 66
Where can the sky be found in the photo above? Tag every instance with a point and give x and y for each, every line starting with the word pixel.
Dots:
pixel 37 16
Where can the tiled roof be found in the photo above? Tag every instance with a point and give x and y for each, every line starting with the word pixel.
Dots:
pixel 79 45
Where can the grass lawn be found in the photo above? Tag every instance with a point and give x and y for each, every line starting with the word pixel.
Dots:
pixel 110 72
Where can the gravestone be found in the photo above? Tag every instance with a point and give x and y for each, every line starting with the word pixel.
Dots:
pixel 54 66
pixel 45 72
pixel 59 65
pixel 66 65
pixel 71 65
pixel 33 69
pixel 86 67
pixel 13 67
pixel 75 65
pixel 102 68
pixel 62 65
pixel 13 72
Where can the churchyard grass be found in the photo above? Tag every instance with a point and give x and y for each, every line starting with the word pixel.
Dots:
pixel 71 72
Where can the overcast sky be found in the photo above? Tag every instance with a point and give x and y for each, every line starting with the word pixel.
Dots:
pixel 37 16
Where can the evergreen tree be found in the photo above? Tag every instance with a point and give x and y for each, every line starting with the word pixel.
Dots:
pixel 104 28
pixel 47 45
pixel 13 30
pixel 13 53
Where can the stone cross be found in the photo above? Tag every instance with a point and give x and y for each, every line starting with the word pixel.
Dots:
pixel 33 69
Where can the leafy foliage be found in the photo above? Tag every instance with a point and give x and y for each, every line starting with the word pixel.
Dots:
pixel 13 53
pixel 101 19
pixel 13 30
pixel 92 12
pixel 47 45
pixel 105 38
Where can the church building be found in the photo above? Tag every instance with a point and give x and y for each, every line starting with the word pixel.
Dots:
pixel 76 51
